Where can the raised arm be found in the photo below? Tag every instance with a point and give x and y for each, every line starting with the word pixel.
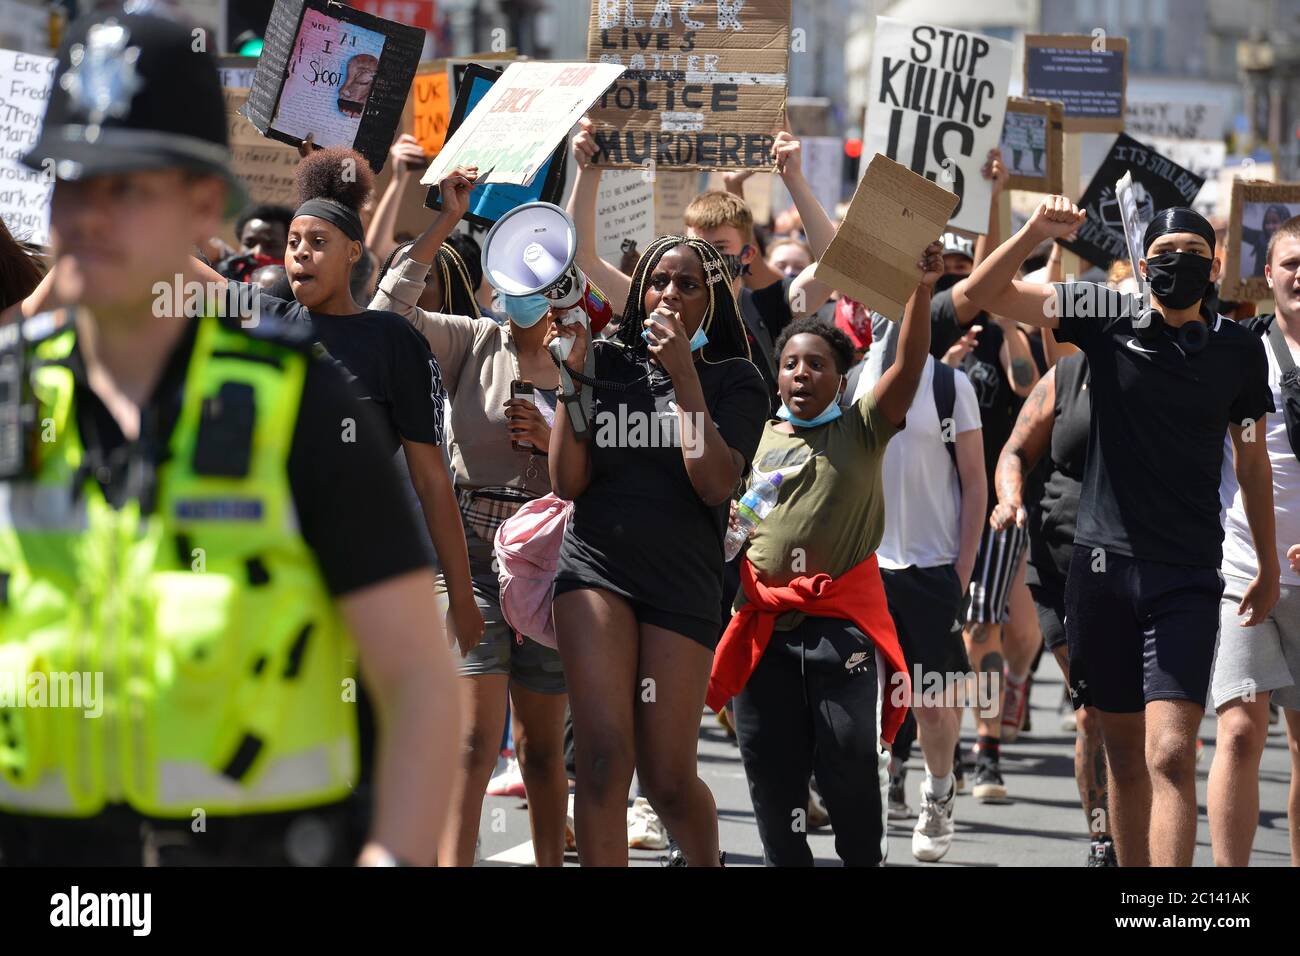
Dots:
pixel 404 158
pixel 993 287
pixel 996 173
pixel 817 226
pixel 1030 439
pixel 896 388
pixel 582 209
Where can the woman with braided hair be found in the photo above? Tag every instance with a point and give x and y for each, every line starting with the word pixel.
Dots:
pixel 679 408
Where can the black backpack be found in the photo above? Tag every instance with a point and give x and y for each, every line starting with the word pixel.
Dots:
pixel 945 400
pixel 1265 327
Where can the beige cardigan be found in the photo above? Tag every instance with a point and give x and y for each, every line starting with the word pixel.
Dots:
pixel 477 358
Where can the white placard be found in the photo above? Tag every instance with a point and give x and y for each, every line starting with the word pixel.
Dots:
pixel 1178 120
pixel 935 104
pixel 25 81
pixel 625 209
pixel 514 128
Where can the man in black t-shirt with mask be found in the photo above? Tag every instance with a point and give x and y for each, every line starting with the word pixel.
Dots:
pixel 1142 596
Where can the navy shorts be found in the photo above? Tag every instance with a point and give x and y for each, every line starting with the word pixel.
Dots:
pixel 1139 631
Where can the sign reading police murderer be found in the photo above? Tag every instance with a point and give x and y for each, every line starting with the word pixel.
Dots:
pixel 705 83
pixel 334 73
pixel 1158 183
pixel 936 105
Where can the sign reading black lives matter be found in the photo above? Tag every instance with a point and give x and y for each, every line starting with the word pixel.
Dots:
pixel 1158 183
pixel 705 83
pixel 936 105
pixel 337 74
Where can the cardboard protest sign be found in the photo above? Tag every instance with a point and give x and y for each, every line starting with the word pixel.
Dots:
pixel 1158 183
pixel 1087 75
pixel 265 166
pixel 625 212
pixel 894 215
pixel 936 103
pixel 1134 216
pixel 336 73
pixel 1258 209
pixel 674 191
pixel 705 83
pixel 1177 120
pixel 25 81
pixel 1032 145
pixel 431 109
pixel 513 130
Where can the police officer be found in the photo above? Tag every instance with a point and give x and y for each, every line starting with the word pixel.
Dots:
pixel 201 534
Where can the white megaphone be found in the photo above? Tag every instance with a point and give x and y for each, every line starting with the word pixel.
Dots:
pixel 529 251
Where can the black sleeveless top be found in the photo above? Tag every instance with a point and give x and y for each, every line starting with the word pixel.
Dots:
pixel 1053 518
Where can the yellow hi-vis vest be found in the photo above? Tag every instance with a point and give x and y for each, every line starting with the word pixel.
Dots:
pixel 228 677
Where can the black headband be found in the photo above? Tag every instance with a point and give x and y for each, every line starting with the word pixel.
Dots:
pixel 1178 219
pixel 336 214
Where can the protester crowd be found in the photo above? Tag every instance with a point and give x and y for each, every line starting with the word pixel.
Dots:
pixel 1015 463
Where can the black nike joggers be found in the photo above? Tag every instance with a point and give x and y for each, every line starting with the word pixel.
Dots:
pixel 813 704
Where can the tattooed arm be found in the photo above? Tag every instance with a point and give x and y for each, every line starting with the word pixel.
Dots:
pixel 1029 440
pixel 1017 358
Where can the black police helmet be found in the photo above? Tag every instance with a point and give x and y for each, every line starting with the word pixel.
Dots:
pixel 131 93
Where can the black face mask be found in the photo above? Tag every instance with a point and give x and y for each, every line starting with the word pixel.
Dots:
pixel 947 281
pixel 734 265
pixel 1179 279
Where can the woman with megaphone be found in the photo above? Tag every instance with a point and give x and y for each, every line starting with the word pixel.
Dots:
pixel 679 411
pixel 499 442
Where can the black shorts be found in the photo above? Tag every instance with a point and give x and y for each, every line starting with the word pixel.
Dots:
pixel 698 629
pixel 1049 604
pixel 995 568
pixel 1139 630
pixel 924 603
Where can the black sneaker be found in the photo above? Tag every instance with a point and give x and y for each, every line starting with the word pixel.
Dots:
pixel 1102 853
pixel 958 769
pixel 898 808
pixel 988 786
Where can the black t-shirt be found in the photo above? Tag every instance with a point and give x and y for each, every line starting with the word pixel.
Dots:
pixel 765 313
pixel 349 506
pixel 390 364
pixel 640 529
pixel 1159 414
pixel 998 404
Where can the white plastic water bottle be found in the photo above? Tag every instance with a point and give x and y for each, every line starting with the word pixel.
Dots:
pixel 756 505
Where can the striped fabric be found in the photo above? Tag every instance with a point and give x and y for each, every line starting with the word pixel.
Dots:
pixel 995 569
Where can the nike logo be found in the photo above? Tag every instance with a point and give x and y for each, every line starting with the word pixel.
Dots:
pixel 1133 344
pixel 856 658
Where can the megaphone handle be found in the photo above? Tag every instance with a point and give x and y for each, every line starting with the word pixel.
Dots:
pixel 572 396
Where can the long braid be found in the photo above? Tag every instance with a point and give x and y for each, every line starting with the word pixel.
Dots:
pixel 722 322
pixel 457 296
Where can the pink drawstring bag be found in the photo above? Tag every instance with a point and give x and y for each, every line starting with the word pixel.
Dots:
pixel 527 547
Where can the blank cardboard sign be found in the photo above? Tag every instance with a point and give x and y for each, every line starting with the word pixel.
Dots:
pixel 894 215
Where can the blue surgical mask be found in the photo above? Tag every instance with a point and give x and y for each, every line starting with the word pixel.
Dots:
pixel 526 311
pixel 698 340
pixel 833 411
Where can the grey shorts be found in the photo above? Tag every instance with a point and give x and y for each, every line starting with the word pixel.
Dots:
pixel 1265 657
pixel 533 666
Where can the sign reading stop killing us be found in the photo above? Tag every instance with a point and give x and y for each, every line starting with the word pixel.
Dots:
pixel 937 101
pixel 705 83
pixel 333 73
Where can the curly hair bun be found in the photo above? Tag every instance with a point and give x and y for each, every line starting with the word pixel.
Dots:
pixel 337 173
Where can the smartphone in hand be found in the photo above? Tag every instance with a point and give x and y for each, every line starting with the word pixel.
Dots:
pixel 522 391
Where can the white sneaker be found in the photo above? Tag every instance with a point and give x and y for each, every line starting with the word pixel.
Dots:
pixel 570 827
pixel 645 831
pixel 509 782
pixel 934 827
